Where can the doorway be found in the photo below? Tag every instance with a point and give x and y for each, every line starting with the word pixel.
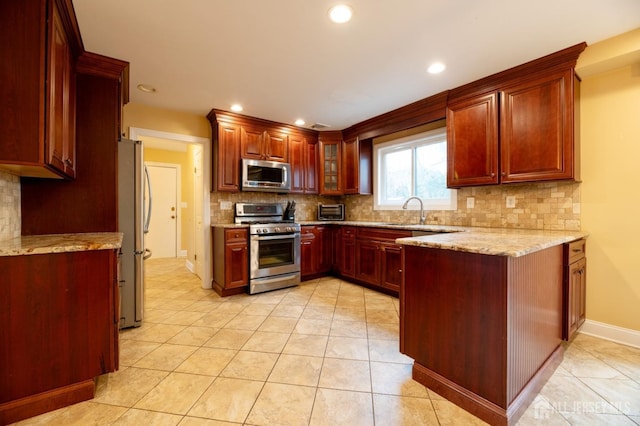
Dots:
pixel 199 252
pixel 164 233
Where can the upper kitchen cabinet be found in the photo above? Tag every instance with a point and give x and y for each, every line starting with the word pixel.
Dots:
pixel 303 157
pixel 259 143
pixel 40 41
pixel 225 137
pixel 516 126
pixel 330 163
pixel 356 163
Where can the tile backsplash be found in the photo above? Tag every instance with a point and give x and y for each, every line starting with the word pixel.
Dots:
pixel 10 222
pixel 552 206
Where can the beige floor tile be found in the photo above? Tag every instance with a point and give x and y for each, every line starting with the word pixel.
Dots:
pixel 403 410
pixel 196 421
pixel 450 414
pixel 347 348
pixel 278 324
pixel 229 339
pixel 337 407
pixel 569 394
pixel 306 344
pixel 347 301
pixel 227 399
pixel 245 322
pixel 297 370
pixel 395 379
pixel 84 413
pixel 581 363
pixel 293 299
pixel 215 319
pixel 231 308
pixel 204 306
pixel 135 417
pixel 127 386
pixel 387 351
pixel 313 326
pixel 345 374
pixel 383 331
pixel 322 301
pixel 318 312
pixel 265 341
pixel 346 313
pixel 262 309
pixel 207 361
pixel 158 333
pixel 184 318
pixel 382 316
pixel 166 357
pixel 348 328
pixel 250 365
pixel 176 394
pixel 289 311
pixel 624 394
pixel 282 404
pixel 380 304
pixel 132 351
pixel 590 419
pixel 193 336
pixel 541 412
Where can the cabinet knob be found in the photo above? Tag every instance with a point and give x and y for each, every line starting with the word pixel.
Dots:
pixel 493 175
pixel 504 173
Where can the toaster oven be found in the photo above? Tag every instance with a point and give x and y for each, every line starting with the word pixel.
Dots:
pixel 330 211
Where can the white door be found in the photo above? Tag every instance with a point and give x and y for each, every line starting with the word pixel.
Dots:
pixel 163 232
pixel 198 204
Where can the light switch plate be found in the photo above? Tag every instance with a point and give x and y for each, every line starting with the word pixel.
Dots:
pixel 511 202
pixel 225 205
pixel 471 202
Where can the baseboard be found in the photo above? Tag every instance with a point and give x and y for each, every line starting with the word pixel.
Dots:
pixel 189 265
pixel 625 336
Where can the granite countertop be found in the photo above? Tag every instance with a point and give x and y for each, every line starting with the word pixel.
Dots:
pixel 229 225
pixel 60 243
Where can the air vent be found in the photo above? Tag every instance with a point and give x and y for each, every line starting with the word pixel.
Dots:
pixel 319 126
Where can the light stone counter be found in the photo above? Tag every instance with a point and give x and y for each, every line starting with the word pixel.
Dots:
pixel 60 243
pixel 490 241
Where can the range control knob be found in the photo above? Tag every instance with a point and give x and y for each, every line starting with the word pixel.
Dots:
pixel 265 231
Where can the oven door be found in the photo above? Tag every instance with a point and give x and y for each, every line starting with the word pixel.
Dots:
pixel 274 255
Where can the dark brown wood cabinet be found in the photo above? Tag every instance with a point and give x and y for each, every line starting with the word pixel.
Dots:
pixel 40 45
pixel 330 163
pixel 226 156
pixel 230 260
pixel 378 260
pixel 520 125
pixel 575 288
pixel 60 331
pixel 357 165
pixel 260 143
pixel 345 251
pixel 316 248
pixel 303 157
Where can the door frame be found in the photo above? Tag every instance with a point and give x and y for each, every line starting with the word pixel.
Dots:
pixel 178 169
pixel 136 132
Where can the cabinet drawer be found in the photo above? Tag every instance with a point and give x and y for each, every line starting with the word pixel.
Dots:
pixel 575 250
pixel 235 235
pixel 348 232
pixel 382 233
pixel 307 231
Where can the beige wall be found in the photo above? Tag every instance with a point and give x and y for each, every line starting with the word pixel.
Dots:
pixel 610 113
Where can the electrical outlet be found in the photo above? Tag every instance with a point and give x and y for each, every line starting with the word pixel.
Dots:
pixel 511 202
pixel 471 202
pixel 225 205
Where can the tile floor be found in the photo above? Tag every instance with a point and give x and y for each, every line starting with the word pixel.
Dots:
pixel 322 353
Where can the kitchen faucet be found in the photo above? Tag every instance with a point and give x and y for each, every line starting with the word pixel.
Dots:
pixel 422 216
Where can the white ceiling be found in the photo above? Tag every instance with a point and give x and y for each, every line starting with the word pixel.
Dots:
pixel 284 59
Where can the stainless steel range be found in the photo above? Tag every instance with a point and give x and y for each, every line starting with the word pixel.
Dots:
pixel 274 246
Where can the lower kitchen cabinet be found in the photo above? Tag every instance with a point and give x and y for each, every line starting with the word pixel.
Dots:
pixel 345 251
pixel 378 260
pixel 316 249
pixel 230 260
pixel 575 288
pixel 59 329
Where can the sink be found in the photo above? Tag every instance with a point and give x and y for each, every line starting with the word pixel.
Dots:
pixel 423 233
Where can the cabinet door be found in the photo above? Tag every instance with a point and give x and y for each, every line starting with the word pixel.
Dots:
pixel 276 146
pixel 236 265
pixel 351 163
pixel 346 251
pixel 60 114
pixel 575 302
pixel 331 163
pixel 252 143
pixel 391 266
pixel 536 130
pixel 472 141
pixel 308 252
pixel 324 237
pixel 310 153
pixel 368 261
pixel 296 160
pixel 227 158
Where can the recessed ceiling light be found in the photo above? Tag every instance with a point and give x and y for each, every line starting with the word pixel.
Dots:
pixel 299 122
pixel 236 107
pixel 436 68
pixel 340 13
pixel 146 88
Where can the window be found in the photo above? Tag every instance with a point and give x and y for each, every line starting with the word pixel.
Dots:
pixel 413 166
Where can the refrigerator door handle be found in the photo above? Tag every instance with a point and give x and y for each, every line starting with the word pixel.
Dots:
pixel 147 254
pixel 148 215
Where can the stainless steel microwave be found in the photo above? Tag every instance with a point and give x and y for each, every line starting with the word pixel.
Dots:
pixel 330 211
pixel 265 176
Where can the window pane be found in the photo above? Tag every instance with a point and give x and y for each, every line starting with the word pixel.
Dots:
pixel 431 171
pixel 397 167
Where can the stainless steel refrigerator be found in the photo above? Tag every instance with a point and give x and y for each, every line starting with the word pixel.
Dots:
pixel 134 213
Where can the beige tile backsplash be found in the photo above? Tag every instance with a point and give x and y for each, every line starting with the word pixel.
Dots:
pixel 10 222
pixel 552 206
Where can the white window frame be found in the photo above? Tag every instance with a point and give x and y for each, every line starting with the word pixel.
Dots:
pixel 432 136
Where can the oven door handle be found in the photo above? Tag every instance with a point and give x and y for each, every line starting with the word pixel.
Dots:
pixel 273 237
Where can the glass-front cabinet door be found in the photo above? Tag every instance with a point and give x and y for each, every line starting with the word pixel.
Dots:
pixel 330 163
